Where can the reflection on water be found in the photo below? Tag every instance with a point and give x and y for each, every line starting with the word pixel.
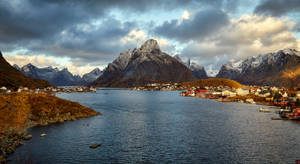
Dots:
pixel 162 127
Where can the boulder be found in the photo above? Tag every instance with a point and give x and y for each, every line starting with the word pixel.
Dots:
pixel 27 137
pixel 94 146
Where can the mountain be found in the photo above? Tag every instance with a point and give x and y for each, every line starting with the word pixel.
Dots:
pixel 12 78
pixel 92 76
pixel 197 70
pixel 53 75
pixel 143 65
pixel 279 68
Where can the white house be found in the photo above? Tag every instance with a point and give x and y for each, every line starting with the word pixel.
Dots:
pixel 3 88
pixel 298 94
pixel 264 94
pixel 228 93
pixel 242 91
pixel 274 89
pixel 217 92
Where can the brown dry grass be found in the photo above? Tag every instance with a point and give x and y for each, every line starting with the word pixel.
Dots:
pixel 213 82
pixel 19 110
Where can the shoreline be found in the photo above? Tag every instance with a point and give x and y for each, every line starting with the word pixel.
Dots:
pixel 38 110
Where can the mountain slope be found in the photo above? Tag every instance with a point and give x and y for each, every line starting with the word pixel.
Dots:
pixel 12 78
pixel 53 75
pixel 197 70
pixel 266 69
pixel 143 65
pixel 92 76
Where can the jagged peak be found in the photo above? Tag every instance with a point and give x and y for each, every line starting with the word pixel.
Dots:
pixel 150 45
pixel 183 59
pixel 96 70
pixel 290 51
pixel 29 65
pixel 1 54
pixel 194 65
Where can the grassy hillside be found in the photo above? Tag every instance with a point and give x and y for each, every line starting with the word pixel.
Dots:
pixel 22 110
pixel 214 82
pixel 13 79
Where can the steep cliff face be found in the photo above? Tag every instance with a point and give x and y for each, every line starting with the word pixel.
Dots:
pixel 143 65
pixel 10 77
pixel 266 69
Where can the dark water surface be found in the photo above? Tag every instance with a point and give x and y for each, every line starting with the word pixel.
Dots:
pixel 162 127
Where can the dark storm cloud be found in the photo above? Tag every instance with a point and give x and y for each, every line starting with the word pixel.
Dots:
pixel 278 7
pixel 87 41
pixel 201 25
pixel 54 26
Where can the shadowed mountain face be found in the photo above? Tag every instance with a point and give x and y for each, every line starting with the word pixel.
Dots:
pixel 278 68
pixel 197 70
pixel 12 78
pixel 143 65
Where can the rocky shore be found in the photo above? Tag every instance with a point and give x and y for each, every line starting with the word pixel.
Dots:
pixel 21 111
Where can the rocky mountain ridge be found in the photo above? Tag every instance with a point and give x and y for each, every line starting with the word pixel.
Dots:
pixel 197 70
pixel 265 69
pixel 13 79
pixel 58 77
pixel 143 65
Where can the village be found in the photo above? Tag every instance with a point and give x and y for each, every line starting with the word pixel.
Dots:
pixel 51 90
pixel 266 95
pixel 253 94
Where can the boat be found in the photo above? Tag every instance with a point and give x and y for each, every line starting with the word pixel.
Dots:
pixel 264 110
pixel 292 113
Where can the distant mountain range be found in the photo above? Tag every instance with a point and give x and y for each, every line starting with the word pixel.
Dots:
pixel 143 65
pixel 281 68
pixel 58 77
pixel 149 64
pixel 13 79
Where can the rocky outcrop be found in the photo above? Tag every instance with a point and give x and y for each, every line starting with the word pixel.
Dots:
pixel 197 70
pixel 18 112
pixel 143 65
pixel 266 69
pixel 92 76
pixel 13 79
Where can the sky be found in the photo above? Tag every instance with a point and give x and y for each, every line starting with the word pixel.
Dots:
pixel 82 35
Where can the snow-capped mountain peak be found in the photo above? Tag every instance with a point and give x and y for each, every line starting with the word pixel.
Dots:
pixel 260 69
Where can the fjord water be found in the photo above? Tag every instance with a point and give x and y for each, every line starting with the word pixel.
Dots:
pixel 162 127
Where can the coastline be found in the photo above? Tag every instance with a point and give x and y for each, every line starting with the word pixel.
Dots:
pixel 22 111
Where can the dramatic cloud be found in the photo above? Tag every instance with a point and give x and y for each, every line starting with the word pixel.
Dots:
pixel 39 61
pixel 201 25
pixel 83 34
pixel 249 35
pixel 278 7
